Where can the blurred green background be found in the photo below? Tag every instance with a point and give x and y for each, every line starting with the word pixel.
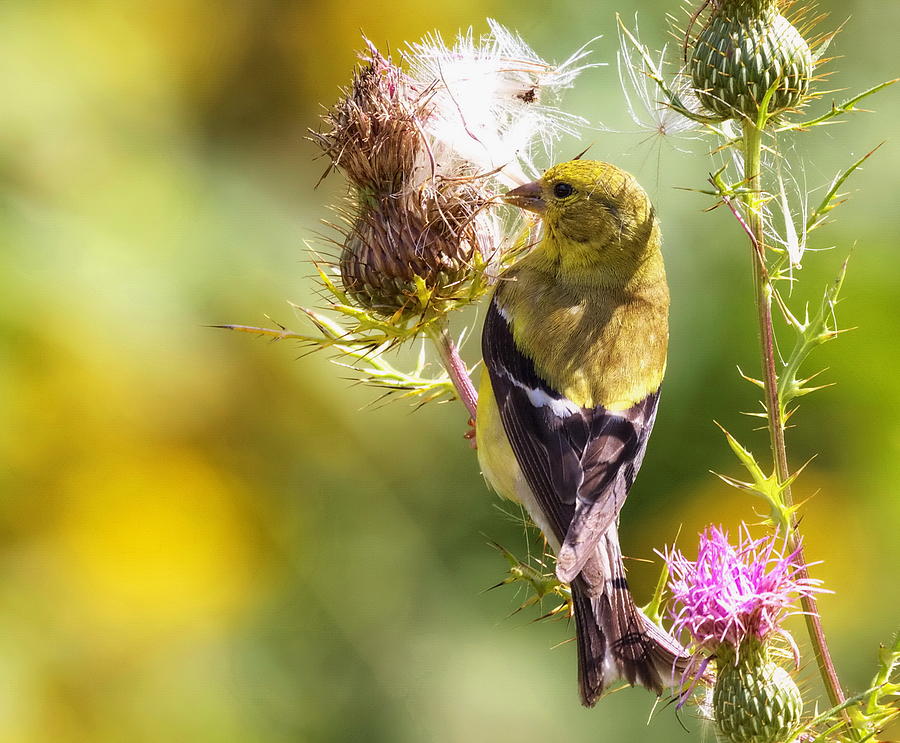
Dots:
pixel 205 538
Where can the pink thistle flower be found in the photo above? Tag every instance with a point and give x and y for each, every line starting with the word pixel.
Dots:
pixel 734 593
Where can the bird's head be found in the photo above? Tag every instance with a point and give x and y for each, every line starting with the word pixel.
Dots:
pixel 593 207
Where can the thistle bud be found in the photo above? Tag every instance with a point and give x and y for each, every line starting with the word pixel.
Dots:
pixel 754 699
pixel 746 49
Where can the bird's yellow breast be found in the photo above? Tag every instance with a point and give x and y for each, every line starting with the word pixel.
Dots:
pixel 599 346
pixel 495 454
pixel 498 460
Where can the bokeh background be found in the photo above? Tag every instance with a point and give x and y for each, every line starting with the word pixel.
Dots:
pixel 204 537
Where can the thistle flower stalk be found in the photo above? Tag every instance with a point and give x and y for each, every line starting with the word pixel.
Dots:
pixel 751 70
pixel 752 146
pixel 455 366
pixel 751 65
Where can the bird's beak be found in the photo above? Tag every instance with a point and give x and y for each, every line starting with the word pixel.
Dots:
pixel 527 197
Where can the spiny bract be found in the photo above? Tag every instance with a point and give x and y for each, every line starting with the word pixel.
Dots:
pixel 746 49
pixel 755 700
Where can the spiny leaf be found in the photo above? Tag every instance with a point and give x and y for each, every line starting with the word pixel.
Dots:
pixel 541 584
pixel 654 609
pixel 811 332
pixel 881 706
pixel 651 69
pixel 278 334
pixel 832 199
pixel 765 486
pixel 758 382
pixel 847 106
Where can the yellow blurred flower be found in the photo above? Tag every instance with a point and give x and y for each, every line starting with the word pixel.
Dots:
pixel 155 542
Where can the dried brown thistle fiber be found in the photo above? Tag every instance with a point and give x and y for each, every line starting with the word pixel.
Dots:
pixel 372 132
pixel 415 225
pixel 428 234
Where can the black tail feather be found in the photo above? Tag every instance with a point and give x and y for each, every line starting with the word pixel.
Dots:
pixel 615 639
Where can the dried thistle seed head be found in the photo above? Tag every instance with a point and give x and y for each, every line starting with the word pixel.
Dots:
pixel 416 211
pixel 372 133
pixel 399 244
pixel 746 49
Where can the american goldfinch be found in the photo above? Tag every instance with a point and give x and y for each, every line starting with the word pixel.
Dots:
pixel 574 346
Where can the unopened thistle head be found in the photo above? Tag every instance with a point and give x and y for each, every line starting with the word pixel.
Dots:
pixel 731 602
pixel 422 150
pixel 747 50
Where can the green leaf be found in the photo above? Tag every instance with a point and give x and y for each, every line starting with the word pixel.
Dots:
pixel 811 332
pixel 762 485
pixel 654 609
pixel 839 109
pixel 540 583
pixel 832 198
pixel 652 71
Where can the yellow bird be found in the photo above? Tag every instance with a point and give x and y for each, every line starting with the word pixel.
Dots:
pixel 574 345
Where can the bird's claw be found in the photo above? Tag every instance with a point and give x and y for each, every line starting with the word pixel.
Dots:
pixel 470 434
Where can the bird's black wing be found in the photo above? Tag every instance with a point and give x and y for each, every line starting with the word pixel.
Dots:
pixel 579 462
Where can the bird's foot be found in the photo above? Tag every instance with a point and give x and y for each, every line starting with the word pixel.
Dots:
pixel 470 434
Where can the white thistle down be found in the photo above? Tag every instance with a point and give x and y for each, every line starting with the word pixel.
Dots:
pixel 638 75
pixel 794 239
pixel 490 101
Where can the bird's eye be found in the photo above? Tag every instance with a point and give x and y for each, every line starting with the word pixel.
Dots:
pixel 561 190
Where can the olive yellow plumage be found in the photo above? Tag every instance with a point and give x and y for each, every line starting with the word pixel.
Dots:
pixel 575 351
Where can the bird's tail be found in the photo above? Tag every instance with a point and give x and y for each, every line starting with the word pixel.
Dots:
pixel 615 639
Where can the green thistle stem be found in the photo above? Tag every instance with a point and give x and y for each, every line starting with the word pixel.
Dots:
pixel 455 366
pixel 763 286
